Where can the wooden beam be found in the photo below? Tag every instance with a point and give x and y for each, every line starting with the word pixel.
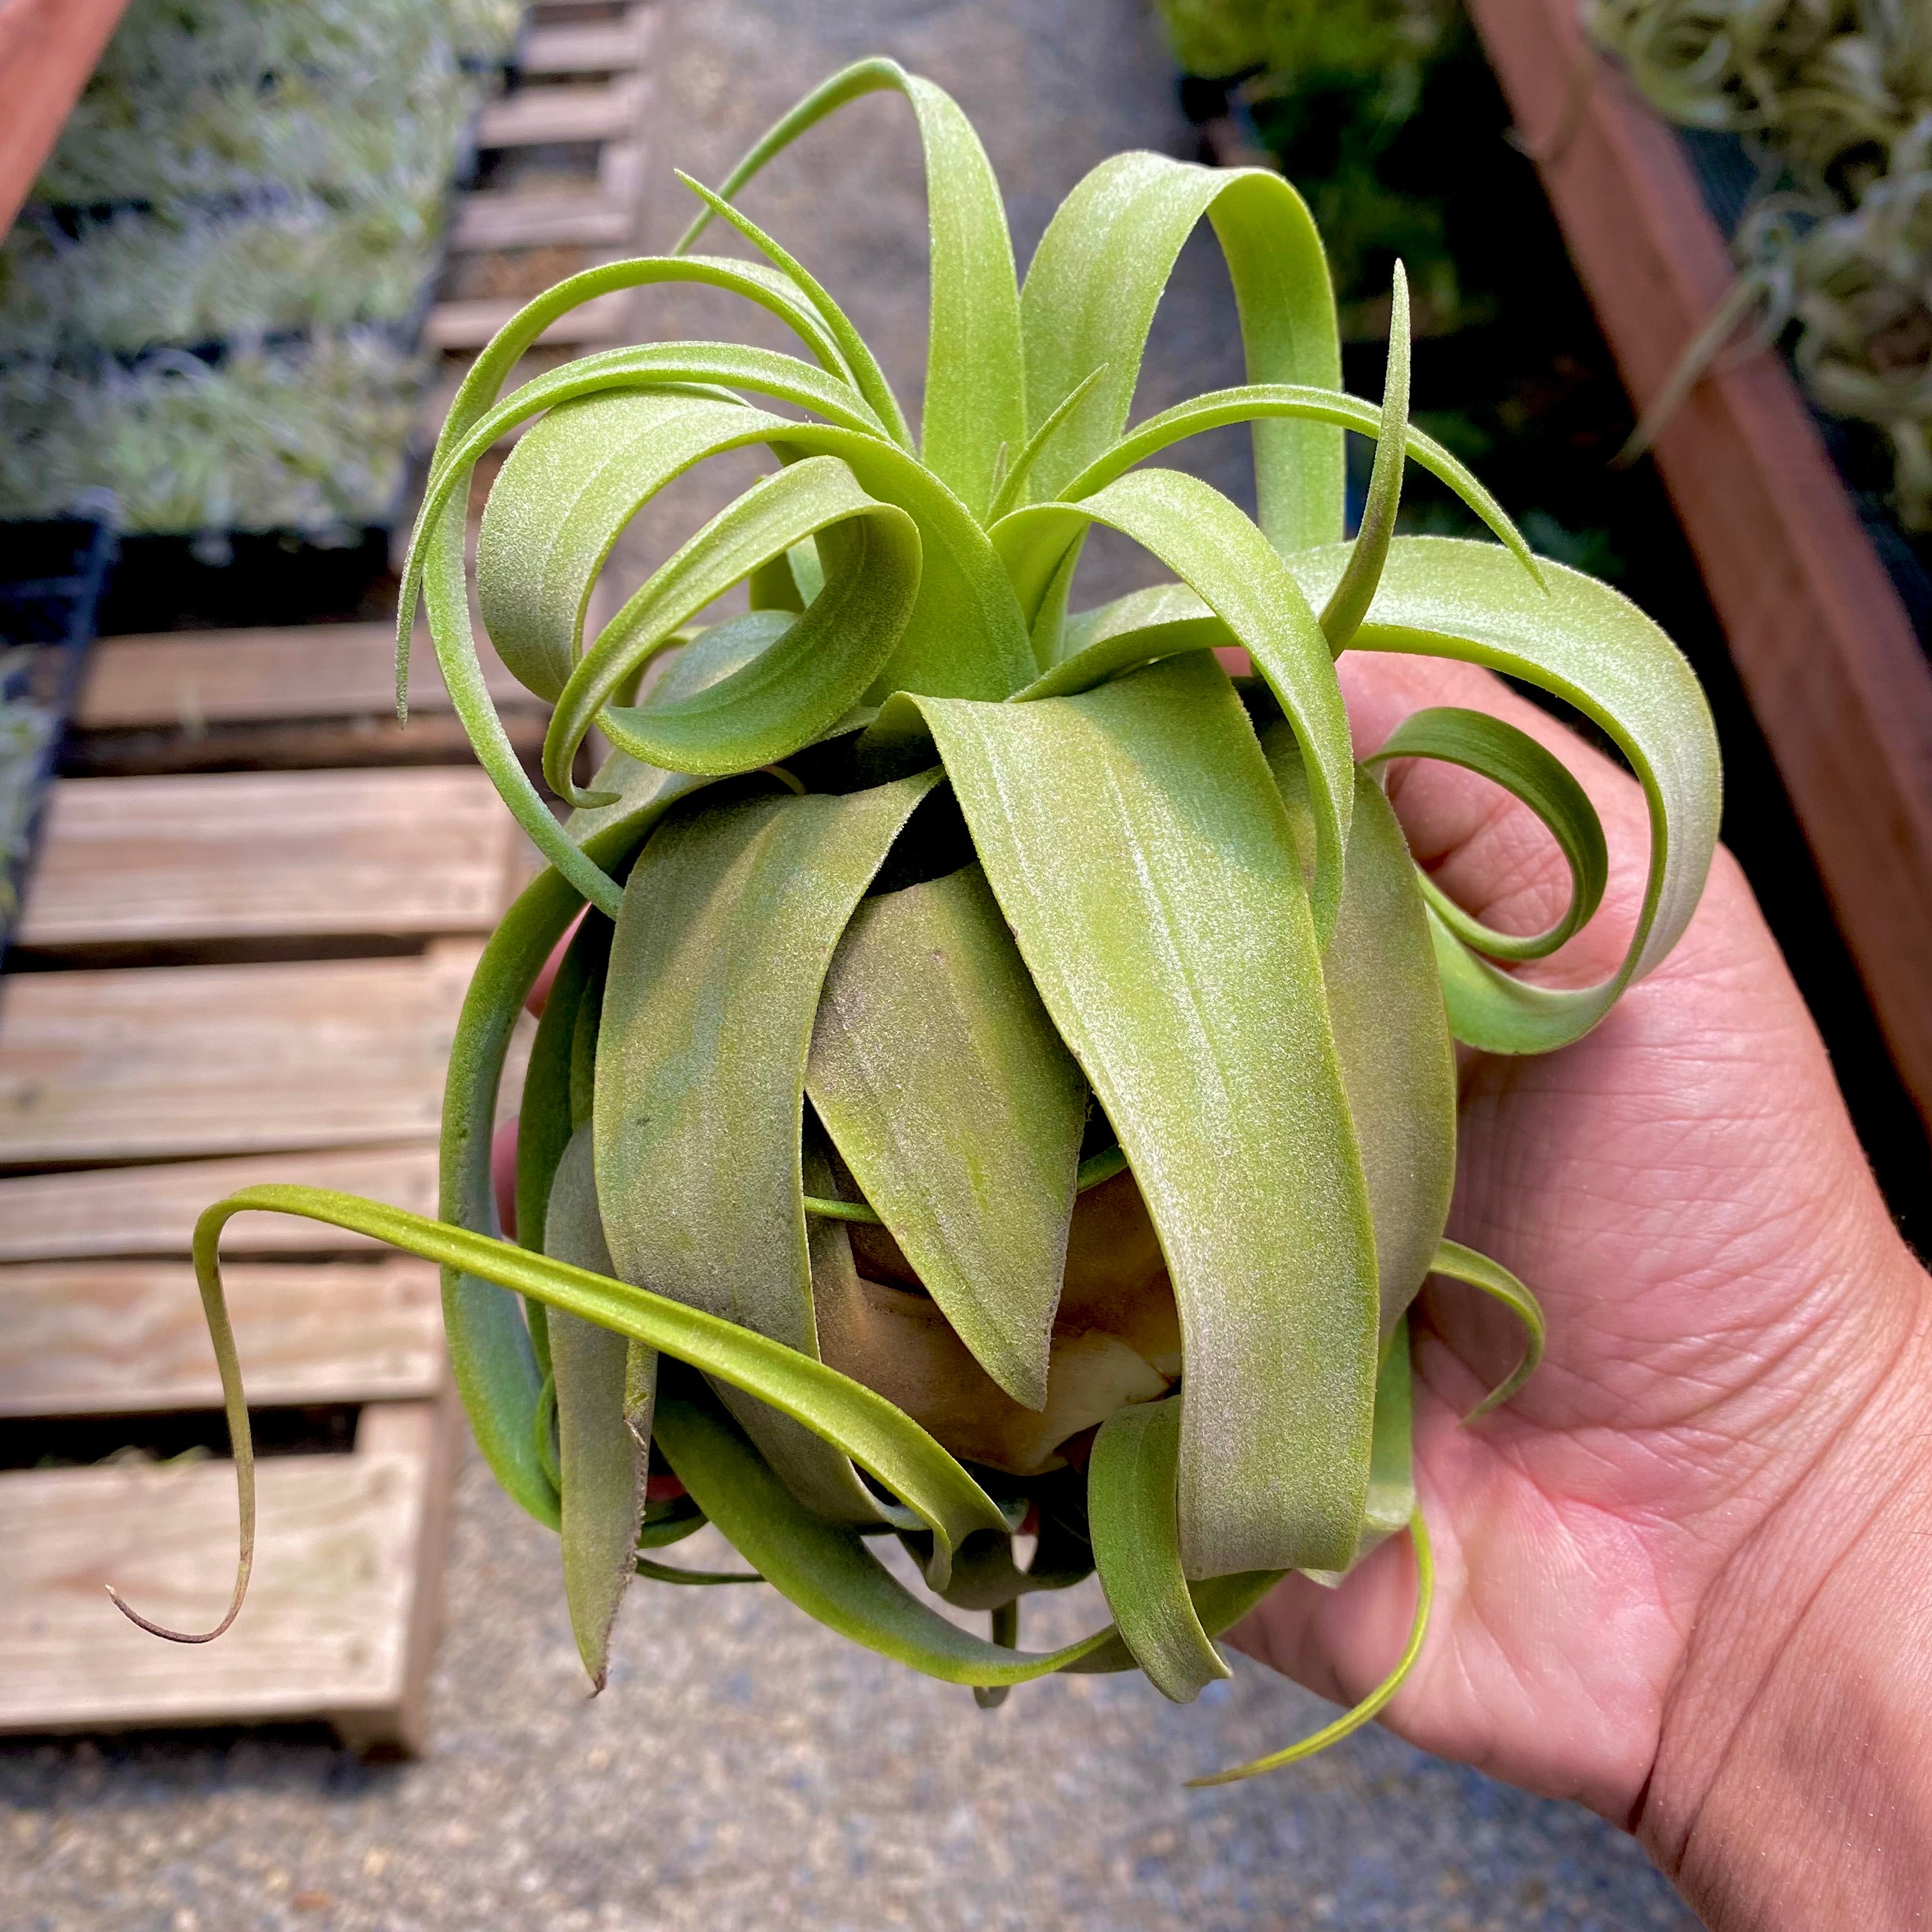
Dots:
pixel 150 1210
pixel 592 47
pixel 98 1338
pixel 165 1062
pixel 529 219
pixel 190 680
pixel 459 326
pixel 541 117
pixel 254 855
pixel 48 48
pixel 1840 684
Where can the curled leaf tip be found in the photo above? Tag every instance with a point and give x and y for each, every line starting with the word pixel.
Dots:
pixel 1370 1705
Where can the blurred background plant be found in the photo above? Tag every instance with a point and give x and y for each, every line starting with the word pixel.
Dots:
pixel 1833 101
pixel 213 304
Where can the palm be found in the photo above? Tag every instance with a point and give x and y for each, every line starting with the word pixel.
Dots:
pixel 1676 1188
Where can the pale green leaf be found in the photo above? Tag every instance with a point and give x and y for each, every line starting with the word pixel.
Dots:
pixel 974 395
pixel 813 673
pixel 1526 770
pixel 1442 597
pixel 1171 939
pixel 1130 1488
pixel 1097 277
pixel 1391 1031
pixel 1220 555
pixel 945 1088
pixel 730 921
pixel 603 1422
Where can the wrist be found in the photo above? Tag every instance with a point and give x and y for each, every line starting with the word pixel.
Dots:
pixel 1792 1786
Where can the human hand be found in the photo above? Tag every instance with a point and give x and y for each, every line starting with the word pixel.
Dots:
pixel 1649 1562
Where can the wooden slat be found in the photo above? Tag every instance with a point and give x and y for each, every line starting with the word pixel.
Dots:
pixel 340 1611
pixel 459 325
pixel 591 46
pixel 219 1060
pixel 545 116
pixel 150 1210
pixel 95 1338
pixel 48 48
pixel 257 854
pixel 190 680
pixel 1840 684
pixel 531 219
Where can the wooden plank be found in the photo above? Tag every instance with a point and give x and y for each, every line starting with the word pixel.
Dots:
pixel 531 219
pixel 592 47
pixel 536 117
pixel 258 854
pixel 464 325
pixel 339 1612
pixel 191 679
pixel 48 48
pixel 181 1060
pixel 150 1210
pixel 322 744
pixel 97 1338
pixel 1839 683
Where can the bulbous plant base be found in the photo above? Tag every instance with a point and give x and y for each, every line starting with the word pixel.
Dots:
pixel 1116 1338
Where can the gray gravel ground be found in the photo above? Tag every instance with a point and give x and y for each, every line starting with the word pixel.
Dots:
pixel 745 1768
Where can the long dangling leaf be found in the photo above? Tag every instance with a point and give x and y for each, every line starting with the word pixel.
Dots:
pixel 1441 597
pixel 943 1084
pixel 1391 1030
pixel 1137 1548
pixel 729 922
pixel 1137 846
pixel 975 397
pixel 890 1446
pixel 1354 1720
pixel 1201 536
pixel 603 1422
pixel 1524 768
pixel 1097 277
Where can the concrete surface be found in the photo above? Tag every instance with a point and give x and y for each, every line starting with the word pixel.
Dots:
pixel 746 1768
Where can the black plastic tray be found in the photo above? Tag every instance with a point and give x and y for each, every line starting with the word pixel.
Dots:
pixel 53 577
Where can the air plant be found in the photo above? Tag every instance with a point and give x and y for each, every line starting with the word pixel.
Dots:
pixel 1836 97
pixel 999 1091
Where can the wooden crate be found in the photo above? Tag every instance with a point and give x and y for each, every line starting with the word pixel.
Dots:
pixel 238 805
pixel 1841 686
pixel 341 1614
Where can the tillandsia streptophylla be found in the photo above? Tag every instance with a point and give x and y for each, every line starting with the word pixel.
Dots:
pixel 1002 1085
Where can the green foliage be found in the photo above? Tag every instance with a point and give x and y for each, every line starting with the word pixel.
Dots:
pixel 993 883
pixel 1333 85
